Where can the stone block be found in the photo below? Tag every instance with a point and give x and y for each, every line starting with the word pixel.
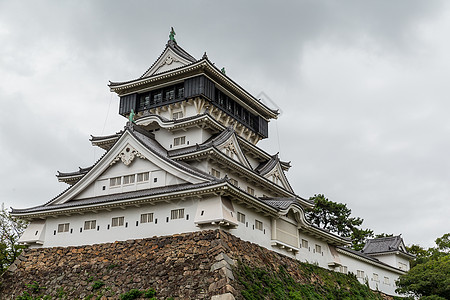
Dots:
pixel 226 296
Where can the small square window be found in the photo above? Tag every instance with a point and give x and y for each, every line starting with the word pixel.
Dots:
pixel 147 218
pixel 215 173
pixel 251 191
pixel 63 227
pixel 258 225
pixel 114 181
pixel 177 115
pixel 117 221
pixel 241 217
pixel 375 277
pixel 155 179
pixel 318 249
pixel 359 273
pixel 304 243
pixel 129 179
pixel 177 214
pixel 88 225
pixel 234 182
pixel 141 177
pixel 386 280
pixel 179 141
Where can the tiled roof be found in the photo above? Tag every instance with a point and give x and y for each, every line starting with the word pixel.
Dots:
pixel 117 197
pixel 384 244
pixel 281 203
pixel 81 171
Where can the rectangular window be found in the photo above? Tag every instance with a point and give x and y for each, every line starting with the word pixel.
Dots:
pixel 177 214
pixel 177 115
pixel 234 181
pixel 147 218
pixel 114 181
pixel 343 269
pixel 141 177
pixel 305 244
pixel 318 249
pixel 402 266
pixel 215 173
pixel 88 225
pixel 375 277
pixel 251 191
pixel 63 227
pixel 241 217
pixel 386 280
pixel 359 273
pixel 179 141
pixel 128 179
pixel 117 221
pixel 258 225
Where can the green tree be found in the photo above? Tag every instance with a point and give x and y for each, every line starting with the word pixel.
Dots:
pixel 336 217
pixel 10 231
pixel 429 277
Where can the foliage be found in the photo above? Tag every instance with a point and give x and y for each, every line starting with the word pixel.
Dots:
pixel 10 231
pixel 34 289
pixel 135 293
pixel 261 284
pixel 336 217
pixel 97 284
pixel 429 276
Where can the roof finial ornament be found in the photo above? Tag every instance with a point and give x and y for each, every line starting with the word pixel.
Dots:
pixel 172 35
pixel 205 56
pixel 131 117
pixel 223 71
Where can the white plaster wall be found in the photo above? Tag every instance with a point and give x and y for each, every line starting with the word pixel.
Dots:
pixel 102 185
pixel 310 255
pixel 193 136
pixel 355 264
pixel 160 226
pixel 248 232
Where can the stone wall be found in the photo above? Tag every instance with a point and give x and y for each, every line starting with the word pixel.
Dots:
pixel 187 266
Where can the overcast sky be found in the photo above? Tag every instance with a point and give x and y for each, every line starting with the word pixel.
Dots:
pixel 362 86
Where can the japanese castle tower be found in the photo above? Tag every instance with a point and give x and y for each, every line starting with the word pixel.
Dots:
pixel 188 160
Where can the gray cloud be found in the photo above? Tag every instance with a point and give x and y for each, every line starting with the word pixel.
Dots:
pixel 362 86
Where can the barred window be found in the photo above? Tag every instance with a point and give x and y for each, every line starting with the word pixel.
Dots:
pixel 63 227
pixel 258 225
pixel 128 179
pixel 234 181
pixel 359 273
pixel 318 249
pixel 215 173
pixel 177 115
pixel 177 213
pixel 304 243
pixel 251 191
pixel 143 176
pixel 386 280
pixel 179 141
pixel 241 217
pixel 147 218
pixel 88 225
pixel 117 221
pixel 375 277
pixel 114 181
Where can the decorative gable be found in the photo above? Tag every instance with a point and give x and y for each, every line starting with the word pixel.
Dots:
pixel 277 176
pixel 173 57
pixel 129 161
pixel 233 150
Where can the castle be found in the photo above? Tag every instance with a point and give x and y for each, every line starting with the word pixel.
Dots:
pixel 187 160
